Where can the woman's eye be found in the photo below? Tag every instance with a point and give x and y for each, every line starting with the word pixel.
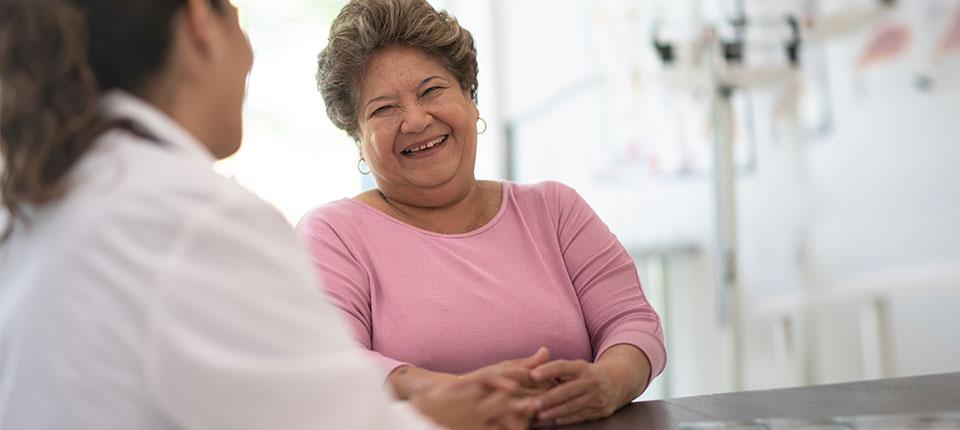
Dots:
pixel 431 90
pixel 381 110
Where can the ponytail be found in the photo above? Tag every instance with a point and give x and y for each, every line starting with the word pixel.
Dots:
pixel 57 57
pixel 48 101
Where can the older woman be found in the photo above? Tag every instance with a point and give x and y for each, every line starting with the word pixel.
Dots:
pixel 440 274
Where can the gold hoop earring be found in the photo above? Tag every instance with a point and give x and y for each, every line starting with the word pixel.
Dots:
pixel 484 125
pixel 361 162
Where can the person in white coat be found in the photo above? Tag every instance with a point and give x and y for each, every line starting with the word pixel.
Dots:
pixel 138 288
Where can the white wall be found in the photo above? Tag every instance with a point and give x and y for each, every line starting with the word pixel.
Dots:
pixel 882 192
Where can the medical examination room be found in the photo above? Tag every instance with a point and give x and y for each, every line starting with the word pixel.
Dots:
pixel 480 214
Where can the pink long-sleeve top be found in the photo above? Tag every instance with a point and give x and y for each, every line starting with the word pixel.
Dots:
pixel 544 271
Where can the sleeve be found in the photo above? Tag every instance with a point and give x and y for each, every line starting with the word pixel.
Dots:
pixel 240 338
pixel 605 278
pixel 347 282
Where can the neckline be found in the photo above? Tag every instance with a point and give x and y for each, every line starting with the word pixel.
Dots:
pixel 120 105
pixel 505 189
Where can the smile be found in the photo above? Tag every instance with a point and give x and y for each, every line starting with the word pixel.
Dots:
pixel 426 146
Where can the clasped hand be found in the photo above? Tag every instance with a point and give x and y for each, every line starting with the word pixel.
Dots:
pixel 498 396
pixel 476 402
pixel 561 391
pixel 509 394
pixel 582 391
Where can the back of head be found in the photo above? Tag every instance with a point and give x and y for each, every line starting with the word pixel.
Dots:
pixel 57 57
pixel 364 26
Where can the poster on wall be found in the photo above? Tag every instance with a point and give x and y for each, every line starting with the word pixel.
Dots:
pixel 945 54
pixel 659 118
pixel 656 116
pixel 912 46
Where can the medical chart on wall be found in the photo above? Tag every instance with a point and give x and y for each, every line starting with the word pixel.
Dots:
pixel 657 120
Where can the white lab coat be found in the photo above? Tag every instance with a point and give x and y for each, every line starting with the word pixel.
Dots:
pixel 157 294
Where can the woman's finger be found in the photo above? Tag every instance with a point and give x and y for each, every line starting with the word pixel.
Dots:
pixel 524 392
pixel 557 370
pixel 494 405
pixel 519 374
pixel 519 416
pixel 461 389
pixel 504 369
pixel 538 358
pixel 577 418
pixel 487 377
pixel 576 405
pixel 500 383
pixel 514 421
pixel 562 393
pixel 522 376
pixel 528 406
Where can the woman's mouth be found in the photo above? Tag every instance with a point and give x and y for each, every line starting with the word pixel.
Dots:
pixel 426 147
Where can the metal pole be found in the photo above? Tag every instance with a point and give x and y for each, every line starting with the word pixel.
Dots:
pixel 725 235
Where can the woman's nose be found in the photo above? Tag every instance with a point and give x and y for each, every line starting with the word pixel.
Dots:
pixel 416 119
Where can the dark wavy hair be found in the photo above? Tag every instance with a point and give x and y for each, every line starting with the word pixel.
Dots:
pixel 364 26
pixel 56 59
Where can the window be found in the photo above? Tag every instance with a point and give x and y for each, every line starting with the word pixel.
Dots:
pixel 292 156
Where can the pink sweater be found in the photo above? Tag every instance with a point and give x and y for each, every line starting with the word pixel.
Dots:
pixel 544 271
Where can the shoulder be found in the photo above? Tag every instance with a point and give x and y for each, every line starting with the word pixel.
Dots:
pixel 336 212
pixel 545 189
pixel 124 165
pixel 132 213
pixel 546 195
pixel 125 181
pixel 340 214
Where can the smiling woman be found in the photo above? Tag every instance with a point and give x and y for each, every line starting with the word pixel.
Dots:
pixel 440 274
pixel 418 135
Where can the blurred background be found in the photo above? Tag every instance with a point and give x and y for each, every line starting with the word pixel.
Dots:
pixel 786 173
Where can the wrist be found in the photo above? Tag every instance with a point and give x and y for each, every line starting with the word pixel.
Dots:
pixel 398 381
pixel 407 381
pixel 628 369
pixel 621 381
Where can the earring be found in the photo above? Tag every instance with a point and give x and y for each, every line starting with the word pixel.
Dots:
pixel 362 162
pixel 484 122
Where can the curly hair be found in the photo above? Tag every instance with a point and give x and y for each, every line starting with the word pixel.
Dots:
pixel 364 26
pixel 56 59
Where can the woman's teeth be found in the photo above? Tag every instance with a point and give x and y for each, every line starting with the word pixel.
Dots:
pixel 427 145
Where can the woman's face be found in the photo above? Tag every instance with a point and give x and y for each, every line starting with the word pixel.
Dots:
pixel 417 126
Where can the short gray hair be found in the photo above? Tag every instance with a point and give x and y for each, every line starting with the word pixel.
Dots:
pixel 364 26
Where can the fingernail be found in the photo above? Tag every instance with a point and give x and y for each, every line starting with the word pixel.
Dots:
pixel 526 404
pixel 530 403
